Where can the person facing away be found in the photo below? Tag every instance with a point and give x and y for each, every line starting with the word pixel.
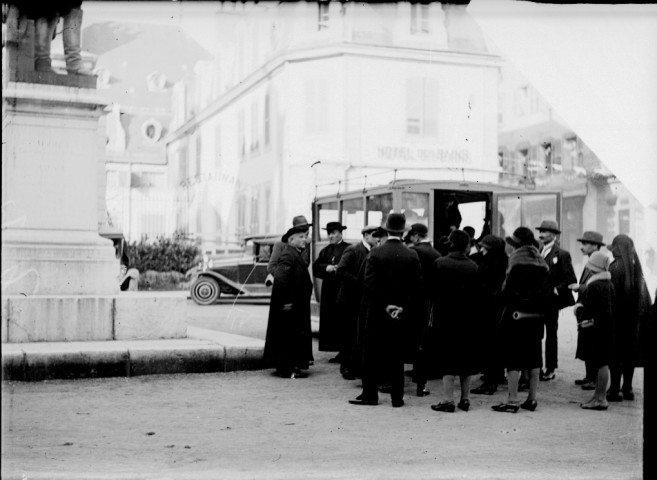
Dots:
pixel 456 292
pixel 525 294
pixel 595 326
pixel 350 294
pixel 288 341
pixel 591 243
pixel 632 312
pixel 561 275
pixel 391 284
pixel 418 237
pixel 325 267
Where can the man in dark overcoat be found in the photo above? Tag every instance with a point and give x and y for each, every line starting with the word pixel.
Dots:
pixel 298 221
pixel 325 267
pixel 420 243
pixel 288 343
pixel 591 243
pixel 350 295
pixel 391 285
pixel 561 275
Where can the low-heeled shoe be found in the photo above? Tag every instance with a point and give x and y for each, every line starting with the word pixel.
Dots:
pixel 629 395
pixel 506 407
pixel 422 392
pixel 614 397
pixel 529 405
pixel 363 401
pixel 444 407
pixel 398 403
pixel 464 405
pixel 588 406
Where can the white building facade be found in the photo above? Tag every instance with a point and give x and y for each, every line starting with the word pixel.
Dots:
pixel 314 98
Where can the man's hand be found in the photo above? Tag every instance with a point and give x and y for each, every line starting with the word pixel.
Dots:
pixel 331 268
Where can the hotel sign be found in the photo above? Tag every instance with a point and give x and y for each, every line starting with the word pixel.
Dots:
pixel 443 156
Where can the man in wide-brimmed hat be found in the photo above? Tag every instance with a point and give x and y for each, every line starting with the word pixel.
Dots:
pixel 288 342
pixel 591 243
pixel 561 276
pixel 349 299
pixel 325 267
pixel 391 284
pixel 297 222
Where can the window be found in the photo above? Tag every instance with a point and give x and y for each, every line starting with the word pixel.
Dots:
pixel 326 212
pixel 241 141
pixel 199 147
pixel 419 19
pixel 323 16
pixel 316 105
pixel 217 147
pixel 353 216
pixel 255 127
pixel 547 155
pixel 267 119
pixel 415 206
pixel 422 107
pixel 378 208
pixel 624 221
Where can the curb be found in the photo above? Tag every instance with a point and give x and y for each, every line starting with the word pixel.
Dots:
pixel 203 351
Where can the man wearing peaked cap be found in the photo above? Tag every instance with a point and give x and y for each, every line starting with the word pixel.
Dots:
pixel 325 268
pixel 349 300
pixel 591 243
pixel 391 284
pixel 560 276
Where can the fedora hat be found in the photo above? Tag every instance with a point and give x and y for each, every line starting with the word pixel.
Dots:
pixel 598 262
pixel 330 226
pixel 369 229
pixel 549 226
pixel 395 223
pixel 419 228
pixel 521 237
pixel 491 242
pixel 591 237
pixel 293 230
pixel 300 221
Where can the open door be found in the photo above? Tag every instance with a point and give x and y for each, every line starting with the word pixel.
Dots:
pixel 526 209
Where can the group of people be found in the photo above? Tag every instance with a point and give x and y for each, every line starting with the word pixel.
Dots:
pixel 483 306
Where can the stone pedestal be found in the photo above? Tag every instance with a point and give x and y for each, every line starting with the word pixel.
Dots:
pixel 50 150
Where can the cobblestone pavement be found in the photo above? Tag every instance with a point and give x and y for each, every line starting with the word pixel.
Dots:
pixel 252 425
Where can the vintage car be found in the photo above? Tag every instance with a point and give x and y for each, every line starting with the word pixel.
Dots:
pixel 242 275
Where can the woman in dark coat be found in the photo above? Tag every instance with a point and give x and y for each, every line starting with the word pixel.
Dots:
pixel 525 293
pixel 455 288
pixel 595 326
pixel 632 311
pixel 288 343
pixel 492 266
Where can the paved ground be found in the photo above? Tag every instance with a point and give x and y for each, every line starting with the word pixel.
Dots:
pixel 251 425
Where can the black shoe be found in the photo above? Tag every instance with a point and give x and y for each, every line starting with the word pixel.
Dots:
pixel 464 405
pixel 336 359
pixel 299 375
pixel 444 407
pixel 421 391
pixel 363 402
pixel 385 389
pixel 398 403
pixel 628 395
pixel 614 397
pixel 484 390
pixel 588 385
pixel 348 376
pixel 582 381
pixel 506 407
pixel 547 375
pixel 523 387
pixel 529 405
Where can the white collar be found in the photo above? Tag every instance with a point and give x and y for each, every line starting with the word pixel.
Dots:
pixel 367 245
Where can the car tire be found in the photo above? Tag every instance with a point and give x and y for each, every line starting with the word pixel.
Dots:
pixel 205 291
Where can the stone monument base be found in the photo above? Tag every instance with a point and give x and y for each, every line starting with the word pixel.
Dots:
pixel 82 318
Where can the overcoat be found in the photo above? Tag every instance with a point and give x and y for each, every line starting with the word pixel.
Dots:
pixel 561 275
pixel 424 337
pixel 595 343
pixel 288 342
pixel 329 314
pixel 455 316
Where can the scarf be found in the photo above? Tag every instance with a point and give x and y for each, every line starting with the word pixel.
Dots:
pixel 526 255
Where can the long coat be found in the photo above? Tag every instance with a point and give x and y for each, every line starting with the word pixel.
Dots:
pixel 455 290
pixel 595 343
pixel 329 314
pixel 288 342
pixel 560 276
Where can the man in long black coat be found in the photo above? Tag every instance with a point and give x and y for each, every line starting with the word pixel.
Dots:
pixel 560 276
pixel 391 285
pixel 325 267
pixel 349 298
pixel 419 238
pixel 288 343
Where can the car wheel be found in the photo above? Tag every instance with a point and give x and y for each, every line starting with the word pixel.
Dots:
pixel 205 291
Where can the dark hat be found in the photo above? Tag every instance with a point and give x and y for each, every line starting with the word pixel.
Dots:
pixel 300 221
pixel 379 232
pixel 395 223
pixel 459 240
pixel 369 229
pixel 470 231
pixel 330 226
pixel 293 230
pixel 491 242
pixel 549 226
pixel 419 228
pixel 521 236
pixel 591 237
